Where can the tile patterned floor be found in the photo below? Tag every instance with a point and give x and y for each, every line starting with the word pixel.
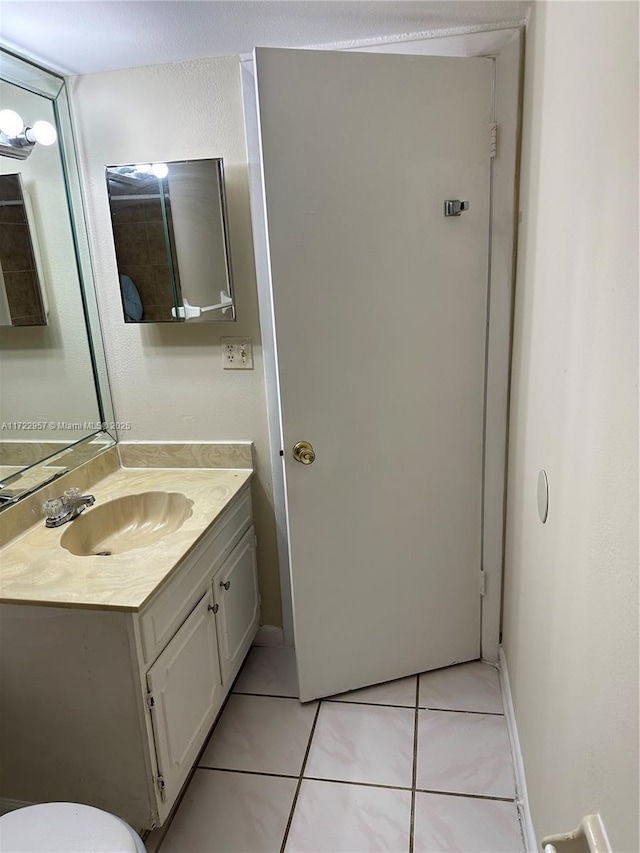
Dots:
pixel 418 765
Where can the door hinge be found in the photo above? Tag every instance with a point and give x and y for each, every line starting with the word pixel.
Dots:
pixel 160 784
pixel 493 140
pixel 483 582
pixel 150 700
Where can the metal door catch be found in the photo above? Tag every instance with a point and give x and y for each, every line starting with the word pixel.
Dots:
pixel 453 207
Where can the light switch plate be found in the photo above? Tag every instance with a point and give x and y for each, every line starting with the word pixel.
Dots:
pixel 237 353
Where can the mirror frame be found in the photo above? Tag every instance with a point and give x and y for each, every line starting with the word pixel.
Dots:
pixel 32 77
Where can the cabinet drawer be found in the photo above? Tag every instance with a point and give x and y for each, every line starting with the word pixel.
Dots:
pixel 162 617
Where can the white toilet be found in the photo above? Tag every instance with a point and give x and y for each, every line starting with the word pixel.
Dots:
pixel 66 828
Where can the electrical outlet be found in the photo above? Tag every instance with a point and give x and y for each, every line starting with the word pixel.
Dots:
pixel 237 353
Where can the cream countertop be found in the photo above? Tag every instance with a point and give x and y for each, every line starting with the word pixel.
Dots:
pixel 36 569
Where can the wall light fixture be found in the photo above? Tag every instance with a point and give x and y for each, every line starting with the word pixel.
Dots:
pixel 17 140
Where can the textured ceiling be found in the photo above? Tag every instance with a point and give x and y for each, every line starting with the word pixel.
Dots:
pixel 83 36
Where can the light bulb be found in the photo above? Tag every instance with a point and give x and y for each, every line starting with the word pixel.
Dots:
pixel 160 170
pixel 10 123
pixel 43 132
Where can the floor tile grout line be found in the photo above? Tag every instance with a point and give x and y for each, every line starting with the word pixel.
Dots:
pixel 414 773
pixel 458 711
pixel 467 796
pixel 264 695
pixel 357 784
pixel 374 704
pixel 368 704
pixel 329 699
pixel 248 772
pixel 300 778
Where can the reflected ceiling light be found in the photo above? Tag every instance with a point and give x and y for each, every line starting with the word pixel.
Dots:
pixel 43 132
pixel 10 122
pixel 160 170
pixel 17 140
pixel 142 173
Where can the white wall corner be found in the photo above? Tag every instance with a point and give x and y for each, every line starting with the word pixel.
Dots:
pixel 269 635
pixel 522 799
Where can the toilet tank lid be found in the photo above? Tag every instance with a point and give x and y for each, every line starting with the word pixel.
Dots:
pixel 64 828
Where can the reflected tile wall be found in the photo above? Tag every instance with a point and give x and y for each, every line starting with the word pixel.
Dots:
pixel 141 250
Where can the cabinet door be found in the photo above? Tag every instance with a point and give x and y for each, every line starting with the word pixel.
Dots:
pixel 236 592
pixel 186 693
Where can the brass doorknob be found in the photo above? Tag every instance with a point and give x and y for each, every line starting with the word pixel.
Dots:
pixel 304 452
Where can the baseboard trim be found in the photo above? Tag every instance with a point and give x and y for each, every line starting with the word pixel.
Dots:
pixel 269 635
pixel 7 805
pixel 522 799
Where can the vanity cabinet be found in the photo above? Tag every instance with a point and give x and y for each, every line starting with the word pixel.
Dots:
pixel 111 708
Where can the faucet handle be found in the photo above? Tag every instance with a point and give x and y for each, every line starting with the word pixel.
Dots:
pixel 52 507
pixel 72 494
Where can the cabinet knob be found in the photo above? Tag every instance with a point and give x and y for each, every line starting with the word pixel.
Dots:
pixel 214 607
pixel 225 584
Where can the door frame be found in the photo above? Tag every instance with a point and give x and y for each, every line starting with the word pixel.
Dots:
pixel 506 48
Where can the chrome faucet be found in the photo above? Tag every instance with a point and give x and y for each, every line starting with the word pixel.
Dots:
pixel 67 507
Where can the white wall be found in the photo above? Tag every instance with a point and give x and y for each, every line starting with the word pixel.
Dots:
pixel 571 596
pixel 168 381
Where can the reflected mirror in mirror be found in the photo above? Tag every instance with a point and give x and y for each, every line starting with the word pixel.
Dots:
pixel 21 300
pixel 171 239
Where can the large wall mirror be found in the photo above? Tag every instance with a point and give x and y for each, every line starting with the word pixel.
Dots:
pixel 54 397
pixel 171 239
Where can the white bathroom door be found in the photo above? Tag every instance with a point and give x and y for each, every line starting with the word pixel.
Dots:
pixel 380 305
